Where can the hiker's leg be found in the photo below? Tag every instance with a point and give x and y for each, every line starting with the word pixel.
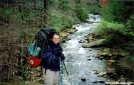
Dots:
pixel 48 77
pixel 56 77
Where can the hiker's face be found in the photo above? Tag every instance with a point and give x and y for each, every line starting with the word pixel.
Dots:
pixel 56 39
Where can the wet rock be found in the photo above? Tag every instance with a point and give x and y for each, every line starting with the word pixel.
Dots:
pixel 90 50
pixel 89 59
pixel 90 37
pixel 95 71
pixel 110 70
pixel 111 62
pixel 83 79
pixel 97 21
pixel 101 57
pixel 95 82
pixel 63 41
pixel 100 81
pixel 101 74
pixel 94 43
pixel 81 41
pixel 64 34
pixel 104 54
pixel 96 56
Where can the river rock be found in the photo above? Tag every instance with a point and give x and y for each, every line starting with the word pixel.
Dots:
pixel 64 34
pixel 81 41
pixel 97 21
pixel 70 31
pixel 100 81
pixel 83 79
pixel 95 71
pixel 101 74
pixel 94 43
pixel 106 55
pixel 110 70
pixel 111 62
pixel 90 37
pixel 89 59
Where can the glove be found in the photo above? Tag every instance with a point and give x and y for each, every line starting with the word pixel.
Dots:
pixel 59 54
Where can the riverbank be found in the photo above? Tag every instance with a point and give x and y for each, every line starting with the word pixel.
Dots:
pixel 65 33
pixel 118 69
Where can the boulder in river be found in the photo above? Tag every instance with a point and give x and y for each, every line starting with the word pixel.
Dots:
pixel 94 43
pixel 101 74
pixel 95 71
pixel 89 59
pixel 83 79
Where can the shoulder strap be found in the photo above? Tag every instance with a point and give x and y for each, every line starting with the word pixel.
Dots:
pixel 42 50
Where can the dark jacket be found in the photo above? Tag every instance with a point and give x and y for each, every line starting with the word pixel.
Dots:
pixel 51 58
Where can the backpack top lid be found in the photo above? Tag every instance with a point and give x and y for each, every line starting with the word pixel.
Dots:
pixel 48 32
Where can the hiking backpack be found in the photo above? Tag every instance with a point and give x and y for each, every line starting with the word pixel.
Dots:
pixel 36 49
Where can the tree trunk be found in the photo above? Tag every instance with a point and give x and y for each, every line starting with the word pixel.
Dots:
pixel 46 3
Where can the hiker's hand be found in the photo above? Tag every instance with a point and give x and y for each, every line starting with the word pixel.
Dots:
pixel 59 54
pixel 62 58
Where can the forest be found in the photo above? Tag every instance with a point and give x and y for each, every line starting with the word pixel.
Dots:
pixel 21 19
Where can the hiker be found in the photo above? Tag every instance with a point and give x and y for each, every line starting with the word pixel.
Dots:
pixel 51 63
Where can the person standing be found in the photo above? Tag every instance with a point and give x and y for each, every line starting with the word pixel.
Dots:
pixel 51 62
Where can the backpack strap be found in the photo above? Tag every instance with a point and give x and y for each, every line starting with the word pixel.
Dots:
pixel 42 33
pixel 43 42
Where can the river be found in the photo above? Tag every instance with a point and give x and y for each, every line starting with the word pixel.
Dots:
pixel 81 62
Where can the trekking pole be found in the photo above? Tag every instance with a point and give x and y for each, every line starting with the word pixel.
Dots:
pixel 61 83
pixel 65 68
pixel 66 71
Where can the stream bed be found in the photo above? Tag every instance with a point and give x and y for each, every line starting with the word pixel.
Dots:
pixel 80 62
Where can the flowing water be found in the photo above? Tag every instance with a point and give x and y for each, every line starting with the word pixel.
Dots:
pixel 77 63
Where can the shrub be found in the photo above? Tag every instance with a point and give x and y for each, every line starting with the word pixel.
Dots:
pixel 130 47
pixel 95 9
pixel 129 31
pixel 82 13
pixel 105 28
pixel 55 19
pixel 114 11
pixel 112 33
